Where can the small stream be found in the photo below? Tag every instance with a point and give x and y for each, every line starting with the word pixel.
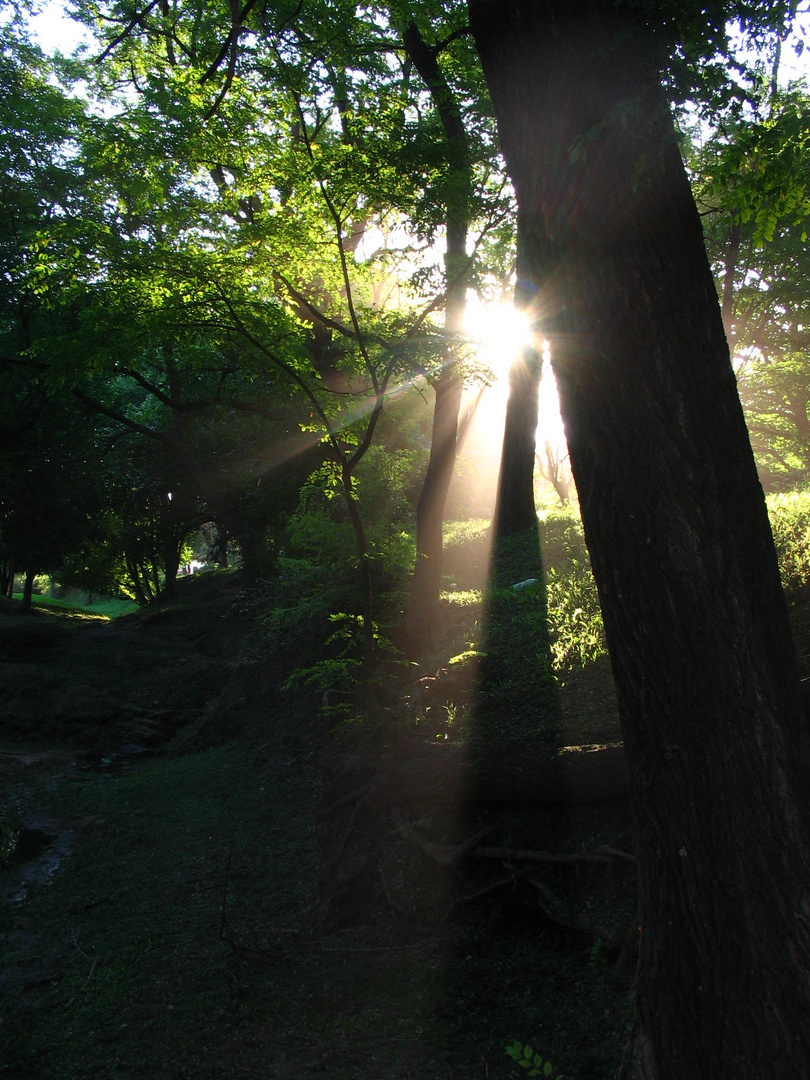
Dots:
pixel 35 846
pixel 32 855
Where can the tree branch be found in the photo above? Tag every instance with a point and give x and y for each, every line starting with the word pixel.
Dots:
pixel 155 391
pixel 136 20
pixel 121 418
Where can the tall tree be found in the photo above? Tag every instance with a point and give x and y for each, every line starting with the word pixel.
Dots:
pixel 514 505
pixel 675 520
pixel 753 189
pixel 448 383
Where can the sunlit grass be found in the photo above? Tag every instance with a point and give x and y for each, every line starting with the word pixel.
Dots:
pixel 107 607
pixel 460 532
pixel 462 597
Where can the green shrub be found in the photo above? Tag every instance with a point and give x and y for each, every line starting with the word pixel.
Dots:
pixel 527 1059
pixel 340 670
pixel 790 524
pixel 294 609
pixel 561 537
pixel 388 483
pixel 574 616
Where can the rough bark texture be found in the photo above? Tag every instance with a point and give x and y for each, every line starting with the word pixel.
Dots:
pixel 676 524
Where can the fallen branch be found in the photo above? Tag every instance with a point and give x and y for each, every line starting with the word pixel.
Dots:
pixel 579 926
pixel 514 854
pixel 494 886
pixel 617 853
pixel 447 855
pixel 444 773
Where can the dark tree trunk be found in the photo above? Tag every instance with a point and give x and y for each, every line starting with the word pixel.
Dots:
pixel 427 574
pixel 448 386
pixel 514 507
pixel 6 577
pixel 717 747
pixel 219 548
pixel 28 592
pixel 171 562
pixel 732 256
pixel 361 546
pixel 142 597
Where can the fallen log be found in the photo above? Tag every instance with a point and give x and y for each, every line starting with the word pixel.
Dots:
pixel 454 772
pixel 429 795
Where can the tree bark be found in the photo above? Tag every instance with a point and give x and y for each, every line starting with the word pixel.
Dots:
pixel 361 545
pixel 28 592
pixel 717 747
pixel 732 255
pixel 448 386
pixel 514 504
pixel 427 573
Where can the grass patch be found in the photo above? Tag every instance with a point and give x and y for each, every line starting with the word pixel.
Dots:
pixel 107 607
pixel 139 982
pixel 132 978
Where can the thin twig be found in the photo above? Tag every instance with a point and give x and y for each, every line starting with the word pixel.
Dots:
pixel 539 856
pixel 617 853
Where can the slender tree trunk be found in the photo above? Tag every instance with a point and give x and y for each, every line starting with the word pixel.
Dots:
pixel 361 545
pixel 448 387
pixel 427 573
pixel 717 747
pixel 134 570
pixel 28 592
pixel 514 506
pixel 171 562
pixel 729 270
pixel 155 570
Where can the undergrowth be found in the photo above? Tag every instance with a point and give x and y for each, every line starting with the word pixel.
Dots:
pixel 790 524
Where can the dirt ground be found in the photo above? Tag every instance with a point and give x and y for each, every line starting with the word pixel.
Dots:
pixel 165 909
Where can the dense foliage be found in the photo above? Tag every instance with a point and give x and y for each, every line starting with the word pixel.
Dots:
pixel 221 294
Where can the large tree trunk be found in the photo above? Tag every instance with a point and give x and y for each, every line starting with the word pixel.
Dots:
pixel 675 520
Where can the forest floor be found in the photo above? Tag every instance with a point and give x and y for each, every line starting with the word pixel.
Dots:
pixel 161 901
